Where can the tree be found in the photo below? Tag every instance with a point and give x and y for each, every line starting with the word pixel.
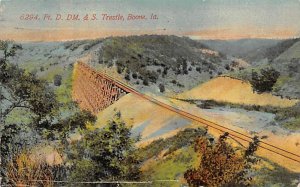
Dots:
pixel 220 164
pixel 109 152
pixel 134 75
pixel 63 127
pixel 20 89
pixel 145 81
pixel 57 80
pixel 161 88
pixel 23 90
pixel 9 48
pixel 127 76
pixel 264 81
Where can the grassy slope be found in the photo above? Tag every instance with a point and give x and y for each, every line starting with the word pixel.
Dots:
pixel 238 94
pixel 290 53
pixel 173 165
pixel 225 89
pixel 149 56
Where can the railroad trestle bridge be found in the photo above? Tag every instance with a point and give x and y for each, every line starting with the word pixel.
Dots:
pixel 92 90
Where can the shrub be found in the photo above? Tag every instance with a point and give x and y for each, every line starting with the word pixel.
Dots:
pixel 173 81
pixel 221 164
pixel 152 76
pixel 165 71
pixel 24 169
pixel 120 69
pixel 264 81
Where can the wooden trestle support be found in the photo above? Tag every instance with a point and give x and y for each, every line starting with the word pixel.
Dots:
pixel 92 90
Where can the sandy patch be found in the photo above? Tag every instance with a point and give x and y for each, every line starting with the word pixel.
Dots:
pixel 225 89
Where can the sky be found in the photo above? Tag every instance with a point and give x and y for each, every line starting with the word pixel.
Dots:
pixel 198 19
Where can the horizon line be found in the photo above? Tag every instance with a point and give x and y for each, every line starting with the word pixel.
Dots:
pixel 189 36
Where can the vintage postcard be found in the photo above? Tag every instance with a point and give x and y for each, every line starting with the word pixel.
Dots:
pixel 150 93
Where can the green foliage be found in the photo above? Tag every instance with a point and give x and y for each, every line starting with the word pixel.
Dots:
pixel 166 52
pixel 73 45
pixel 21 90
pixel 289 117
pixel 91 43
pixel 264 81
pixel 177 158
pixel 276 176
pixel 181 139
pixel 64 127
pixel 86 170
pixel 111 150
pixel 293 124
pixel 9 48
pixel 24 90
pixel 171 167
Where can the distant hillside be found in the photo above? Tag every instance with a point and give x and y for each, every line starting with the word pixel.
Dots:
pixel 153 63
pixel 168 63
pixel 272 52
pixel 240 48
pixel 285 58
pixel 50 58
pixel 291 53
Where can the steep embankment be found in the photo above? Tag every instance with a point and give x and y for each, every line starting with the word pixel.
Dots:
pixel 226 89
pixel 146 118
pixel 153 122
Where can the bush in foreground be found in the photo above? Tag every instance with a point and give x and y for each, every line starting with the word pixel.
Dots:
pixel 220 164
pixel 107 154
